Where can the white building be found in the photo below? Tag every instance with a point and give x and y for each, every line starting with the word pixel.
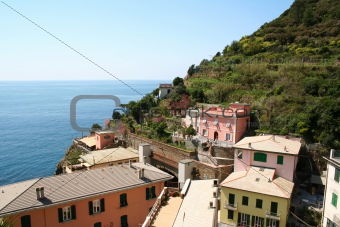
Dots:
pixel 164 90
pixel 331 211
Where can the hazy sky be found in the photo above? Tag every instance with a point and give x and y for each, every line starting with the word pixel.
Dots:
pixel 133 40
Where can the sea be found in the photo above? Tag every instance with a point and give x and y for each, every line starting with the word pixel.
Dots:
pixel 35 128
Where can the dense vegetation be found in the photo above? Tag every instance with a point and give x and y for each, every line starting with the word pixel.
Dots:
pixel 288 70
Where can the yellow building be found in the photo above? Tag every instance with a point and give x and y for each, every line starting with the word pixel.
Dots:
pixel 255 198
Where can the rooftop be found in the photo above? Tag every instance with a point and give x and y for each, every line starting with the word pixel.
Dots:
pixel 165 85
pixel 89 141
pixel 104 132
pixel 259 180
pixel 270 143
pixel 193 210
pixel 109 155
pixel 64 188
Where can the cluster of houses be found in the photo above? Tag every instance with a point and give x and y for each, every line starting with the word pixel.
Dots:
pixel 117 186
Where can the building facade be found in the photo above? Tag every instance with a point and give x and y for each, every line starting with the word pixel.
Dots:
pixel 224 125
pixel 112 196
pixel 269 151
pixel 164 90
pixel 331 211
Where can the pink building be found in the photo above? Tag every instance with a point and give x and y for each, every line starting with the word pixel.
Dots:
pixel 103 139
pixel 269 151
pixel 224 125
pixel 112 196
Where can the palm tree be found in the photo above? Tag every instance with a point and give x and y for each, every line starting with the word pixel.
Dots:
pixel 6 222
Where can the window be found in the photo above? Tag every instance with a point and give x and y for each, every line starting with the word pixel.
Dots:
pixel 26 221
pixel 98 224
pixel 231 199
pixel 273 207
pixel 257 221
pixel 243 219
pixel 334 199
pixel 204 132
pixel 245 200
pixel 259 203
pixel 228 137
pixel 272 223
pixel 124 221
pixel 260 157
pixel 151 193
pixel 230 214
pixel 337 175
pixel 96 206
pixel 280 160
pixel 239 154
pixel 123 200
pixel 67 213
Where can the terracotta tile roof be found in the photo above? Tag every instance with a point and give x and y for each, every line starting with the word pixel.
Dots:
pixel 256 180
pixel 76 186
pixel 270 143
pixel 89 141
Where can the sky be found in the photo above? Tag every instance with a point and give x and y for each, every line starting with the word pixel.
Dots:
pixel 131 40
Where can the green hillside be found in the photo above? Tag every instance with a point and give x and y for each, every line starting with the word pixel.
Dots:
pixel 289 67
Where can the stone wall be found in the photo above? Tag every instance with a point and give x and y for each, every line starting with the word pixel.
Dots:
pixel 166 157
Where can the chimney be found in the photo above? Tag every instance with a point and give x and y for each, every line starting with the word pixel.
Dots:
pixel 40 193
pixel 142 173
pixel 249 145
pixel 130 163
pixel 273 137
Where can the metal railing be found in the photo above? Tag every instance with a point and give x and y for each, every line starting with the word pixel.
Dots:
pixel 150 218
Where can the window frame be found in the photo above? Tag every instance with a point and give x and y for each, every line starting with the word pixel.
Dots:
pixel 96 206
pixel 337 175
pixel 123 200
pixel 280 159
pixel 124 221
pixel 26 221
pixel 259 203
pixel 260 157
pixel 230 214
pixel 334 201
pixel 245 198
pixel 67 213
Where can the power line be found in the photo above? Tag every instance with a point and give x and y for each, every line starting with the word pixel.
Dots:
pixel 71 48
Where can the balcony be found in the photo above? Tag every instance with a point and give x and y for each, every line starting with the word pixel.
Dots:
pixel 274 216
pixel 230 206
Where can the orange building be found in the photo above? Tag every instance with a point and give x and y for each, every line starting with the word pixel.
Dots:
pixel 107 197
pixel 103 139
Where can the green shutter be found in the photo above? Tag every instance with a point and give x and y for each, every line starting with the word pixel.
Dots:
pixel 245 200
pixel 260 157
pixel 337 175
pixel 153 191
pixel 102 205
pixel 259 203
pixel 280 159
pixel 73 212
pixel 230 214
pixel 90 207
pixel 124 221
pixel 60 214
pixel 334 199
pixel 147 193
pixel 26 221
pixel 98 224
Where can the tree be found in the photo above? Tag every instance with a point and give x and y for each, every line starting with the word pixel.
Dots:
pixel 190 131
pixel 191 70
pixel 95 127
pixel 177 81
pixel 6 222
pixel 116 115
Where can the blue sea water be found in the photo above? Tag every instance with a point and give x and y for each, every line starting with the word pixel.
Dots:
pixel 35 125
